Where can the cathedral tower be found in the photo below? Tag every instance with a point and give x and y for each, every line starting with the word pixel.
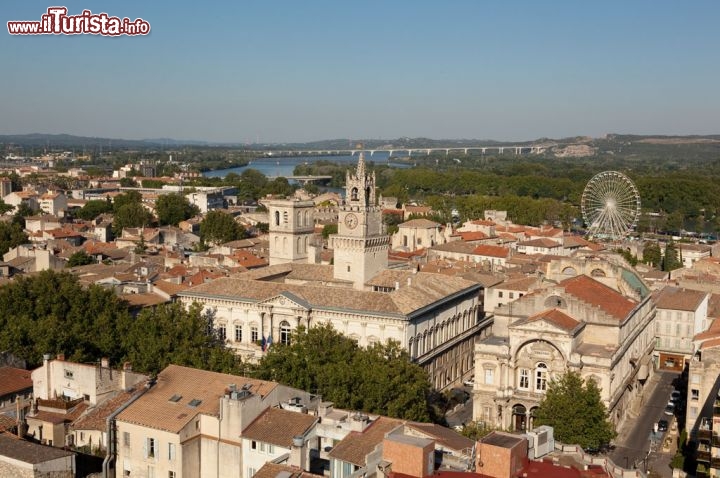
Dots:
pixel 361 245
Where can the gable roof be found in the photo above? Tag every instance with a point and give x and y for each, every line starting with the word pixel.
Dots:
pixel 276 470
pixel 278 427
pixel 419 224
pixel 675 298
pixel 491 251
pixel 595 293
pixel 28 452
pixel 553 316
pixel 541 242
pixel 356 445
pixel 13 380
pixel 155 410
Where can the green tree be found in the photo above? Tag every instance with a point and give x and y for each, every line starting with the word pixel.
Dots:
pixel 79 258
pixel 329 229
pixel 173 208
pixel 93 209
pixel 11 235
pixel 130 215
pixel 671 260
pixel 219 227
pixel 574 408
pixel 51 312
pixel 172 334
pixel 652 254
pixel 130 197
pixel 128 183
pixel 380 379
pixel 4 207
pixel 24 210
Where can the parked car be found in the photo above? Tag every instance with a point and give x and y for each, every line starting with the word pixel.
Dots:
pixel 675 396
pixel 669 409
pixel 662 425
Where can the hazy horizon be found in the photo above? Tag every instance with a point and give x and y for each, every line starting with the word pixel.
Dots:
pixel 288 72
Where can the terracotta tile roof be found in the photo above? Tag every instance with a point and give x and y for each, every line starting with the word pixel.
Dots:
pixel 714 306
pixel 674 298
pixel 712 331
pixel 278 427
pixel 460 247
pixel 555 317
pixel 491 251
pixel 710 344
pixel 28 452
pixel 522 284
pixel 443 436
pixel 6 423
pixel 540 242
pixel 145 299
pixel 472 236
pixel 13 380
pixel 275 470
pixel 248 260
pixel 170 288
pixel 57 418
pixel 94 419
pixel 483 222
pixel 424 289
pixel 202 277
pixel 155 410
pixel 419 224
pixel 593 292
pixel 356 445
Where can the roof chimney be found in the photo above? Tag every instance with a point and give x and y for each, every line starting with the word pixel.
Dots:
pixel 105 362
pixel 61 356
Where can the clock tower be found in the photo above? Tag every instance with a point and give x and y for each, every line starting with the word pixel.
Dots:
pixel 361 245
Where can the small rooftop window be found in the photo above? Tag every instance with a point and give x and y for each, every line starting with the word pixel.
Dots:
pixel 175 398
pixel 194 403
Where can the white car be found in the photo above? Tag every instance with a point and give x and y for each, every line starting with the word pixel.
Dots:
pixel 469 382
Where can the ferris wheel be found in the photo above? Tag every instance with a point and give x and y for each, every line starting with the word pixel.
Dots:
pixel 610 205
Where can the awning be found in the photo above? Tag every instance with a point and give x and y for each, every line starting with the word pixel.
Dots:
pixel 643 372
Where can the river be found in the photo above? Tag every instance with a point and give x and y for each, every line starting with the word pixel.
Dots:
pixel 276 166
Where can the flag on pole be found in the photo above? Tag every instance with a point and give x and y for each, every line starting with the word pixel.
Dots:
pixel 269 341
pixel 263 343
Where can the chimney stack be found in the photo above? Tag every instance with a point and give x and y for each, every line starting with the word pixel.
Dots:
pixel 105 362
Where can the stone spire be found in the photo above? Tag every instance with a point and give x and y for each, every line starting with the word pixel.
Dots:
pixel 360 173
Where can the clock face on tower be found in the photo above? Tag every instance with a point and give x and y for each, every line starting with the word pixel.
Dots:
pixel 351 221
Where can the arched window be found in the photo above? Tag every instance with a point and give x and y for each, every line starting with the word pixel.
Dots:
pixel 354 194
pixel 285 217
pixel 569 271
pixel 307 218
pixel 597 273
pixel 299 245
pixel 299 219
pixel 367 196
pixel 284 333
pixel 541 374
pixel 277 218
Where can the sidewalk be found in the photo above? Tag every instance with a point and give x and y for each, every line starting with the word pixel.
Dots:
pixel 627 422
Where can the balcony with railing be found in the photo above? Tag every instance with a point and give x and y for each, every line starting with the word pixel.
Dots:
pixel 705 429
pixel 703 452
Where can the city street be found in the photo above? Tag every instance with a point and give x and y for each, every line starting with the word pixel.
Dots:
pixel 633 441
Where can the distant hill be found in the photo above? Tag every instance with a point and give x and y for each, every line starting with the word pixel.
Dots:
pixel 62 141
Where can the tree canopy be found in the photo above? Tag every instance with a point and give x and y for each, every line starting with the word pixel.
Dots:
pixel 79 258
pixel 219 227
pixel 173 208
pixel 11 235
pixel 52 313
pixel 671 259
pixel 573 407
pixel 93 209
pixel 379 379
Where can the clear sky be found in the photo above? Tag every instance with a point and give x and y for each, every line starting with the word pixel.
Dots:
pixel 278 71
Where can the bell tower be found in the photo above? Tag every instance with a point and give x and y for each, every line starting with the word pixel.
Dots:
pixel 361 245
pixel 291 228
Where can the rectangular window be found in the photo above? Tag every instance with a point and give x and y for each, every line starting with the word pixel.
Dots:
pixel 238 333
pixel 171 474
pixel 270 449
pixel 693 412
pixel 68 374
pixel 262 447
pixel 171 451
pixel 488 376
pixel 524 379
pixel 500 294
pixel 222 331
pixel 512 295
pixel 695 394
pixel 150 448
pixel 253 445
pixel 151 472
pixel 254 334
pixel 126 439
pixel 251 472
pixel 419 241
